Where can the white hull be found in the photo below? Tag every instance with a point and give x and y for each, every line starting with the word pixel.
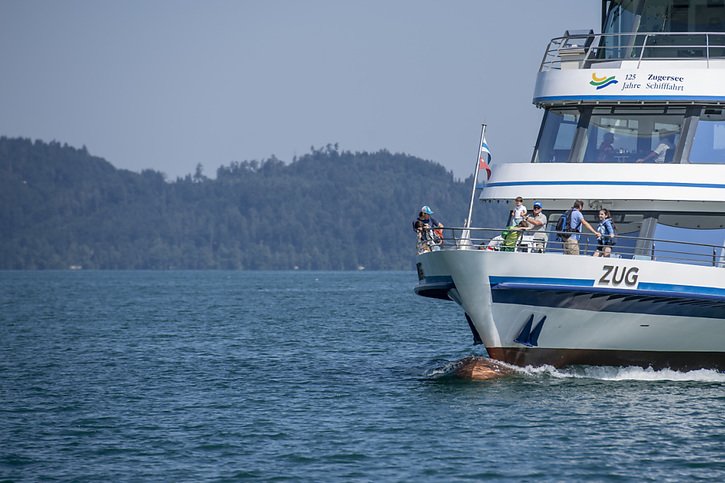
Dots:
pixel 594 310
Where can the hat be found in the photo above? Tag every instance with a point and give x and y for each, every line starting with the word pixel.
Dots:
pixel 537 204
pixel 426 209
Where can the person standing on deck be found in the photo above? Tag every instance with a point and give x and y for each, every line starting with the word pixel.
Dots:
pixel 426 219
pixel 519 211
pixel 537 226
pixel 607 229
pixel 576 220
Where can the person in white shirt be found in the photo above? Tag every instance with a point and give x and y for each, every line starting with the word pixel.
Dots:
pixel 660 152
pixel 519 211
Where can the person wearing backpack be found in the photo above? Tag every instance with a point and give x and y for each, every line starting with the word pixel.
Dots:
pixel 575 221
pixel 607 229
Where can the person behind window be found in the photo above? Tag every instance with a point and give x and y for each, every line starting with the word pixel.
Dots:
pixel 660 152
pixel 606 151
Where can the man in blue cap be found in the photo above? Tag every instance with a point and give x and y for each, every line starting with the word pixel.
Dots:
pixel 537 226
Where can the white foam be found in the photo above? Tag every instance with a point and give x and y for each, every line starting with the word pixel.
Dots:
pixel 601 373
pixel 625 374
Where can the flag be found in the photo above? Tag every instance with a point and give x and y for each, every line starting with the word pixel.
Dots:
pixel 484 158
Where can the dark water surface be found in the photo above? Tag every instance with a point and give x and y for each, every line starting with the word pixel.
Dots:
pixel 180 376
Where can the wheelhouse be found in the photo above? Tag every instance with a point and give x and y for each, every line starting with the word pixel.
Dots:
pixel 627 134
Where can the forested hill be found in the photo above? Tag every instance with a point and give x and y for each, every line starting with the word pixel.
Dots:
pixel 327 210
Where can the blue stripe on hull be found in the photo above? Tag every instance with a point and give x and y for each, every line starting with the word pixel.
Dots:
pixel 707 303
pixel 644 288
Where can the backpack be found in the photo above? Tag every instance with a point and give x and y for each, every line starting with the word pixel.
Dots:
pixel 563 226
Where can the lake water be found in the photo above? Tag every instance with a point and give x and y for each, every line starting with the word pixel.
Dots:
pixel 313 376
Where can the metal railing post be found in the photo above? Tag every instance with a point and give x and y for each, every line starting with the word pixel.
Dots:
pixel 641 53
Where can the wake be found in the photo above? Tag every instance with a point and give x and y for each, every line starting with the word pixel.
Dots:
pixel 624 374
pixel 484 368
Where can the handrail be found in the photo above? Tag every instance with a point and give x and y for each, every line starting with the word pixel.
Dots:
pixel 642 51
pixel 590 49
pixel 684 252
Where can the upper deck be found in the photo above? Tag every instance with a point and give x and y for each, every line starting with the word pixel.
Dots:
pixel 649 51
pixel 644 67
pixel 648 89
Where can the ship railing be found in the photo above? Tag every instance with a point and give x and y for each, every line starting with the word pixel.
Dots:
pixel 628 247
pixel 590 50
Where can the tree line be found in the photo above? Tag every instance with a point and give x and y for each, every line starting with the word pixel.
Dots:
pixel 61 207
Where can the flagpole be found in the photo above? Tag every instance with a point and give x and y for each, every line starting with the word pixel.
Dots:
pixel 475 178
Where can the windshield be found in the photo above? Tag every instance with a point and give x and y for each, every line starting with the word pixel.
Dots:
pixel 632 16
pixel 708 144
pixel 557 136
pixel 614 135
pixel 627 21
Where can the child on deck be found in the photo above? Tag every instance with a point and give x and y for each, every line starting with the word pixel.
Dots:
pixel 519 211
pixel 607 229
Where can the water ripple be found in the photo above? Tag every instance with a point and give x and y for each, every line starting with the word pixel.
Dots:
pixel 313 376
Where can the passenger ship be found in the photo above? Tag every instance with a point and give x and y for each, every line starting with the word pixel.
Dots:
pixel 655 72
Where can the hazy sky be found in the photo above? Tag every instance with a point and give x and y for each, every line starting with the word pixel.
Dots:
pixel 167 84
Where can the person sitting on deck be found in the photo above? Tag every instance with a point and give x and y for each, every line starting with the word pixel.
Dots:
pixel 512 235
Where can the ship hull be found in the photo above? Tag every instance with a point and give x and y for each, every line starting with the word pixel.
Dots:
pixel 536 309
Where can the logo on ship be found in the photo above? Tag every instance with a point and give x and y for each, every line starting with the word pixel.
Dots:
pixel 602 82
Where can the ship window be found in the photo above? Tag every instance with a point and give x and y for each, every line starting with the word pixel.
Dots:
pixel 615 135
pixel 708 145
pixel 557 136
pixel 704 230
pixel 622 17
pixel 611 138
pixel 630 16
